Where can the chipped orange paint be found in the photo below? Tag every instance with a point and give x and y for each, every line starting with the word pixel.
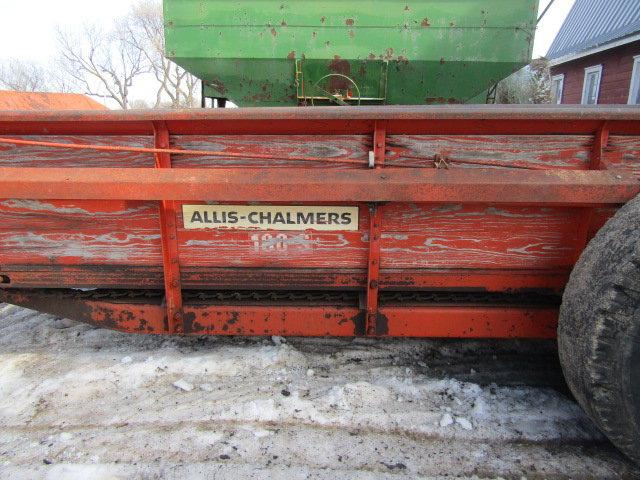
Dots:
pixel 475 199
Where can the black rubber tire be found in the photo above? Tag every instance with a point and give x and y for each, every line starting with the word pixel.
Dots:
pixel 599 330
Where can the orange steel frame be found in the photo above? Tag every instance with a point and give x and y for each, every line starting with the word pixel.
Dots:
pixel 375 187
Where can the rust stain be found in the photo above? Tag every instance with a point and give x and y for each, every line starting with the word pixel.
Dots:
pixel 105 318
pixel 372 56
pixel 342 67
pixel 260 97
pixel 218 85
pixel 425 22
pixel 234 318
pixel 323 19
pixel 442 60
pixel 142 325
pixel 441 100
pixel 274 32
pixel 292 55
pixel 382 324
pixel 189 323
pixel 339 65
pixel 349 22
pixel 358 323
pixel 352 33
pixel 283 23
pixel 388 54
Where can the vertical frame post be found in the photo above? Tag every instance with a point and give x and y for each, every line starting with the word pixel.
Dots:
pixel 600 141
pixel 169 236
pixel 375 232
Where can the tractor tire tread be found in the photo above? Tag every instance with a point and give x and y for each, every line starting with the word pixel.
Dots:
pixel 599 329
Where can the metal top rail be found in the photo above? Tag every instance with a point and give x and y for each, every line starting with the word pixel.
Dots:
pixel 390 112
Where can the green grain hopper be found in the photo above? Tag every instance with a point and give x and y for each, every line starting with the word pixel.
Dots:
pixel 304 52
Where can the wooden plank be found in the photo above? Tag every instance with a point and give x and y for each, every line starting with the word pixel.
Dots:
pixel 499 151
pixel 77 232
pixel 477 236
pixel 354 147
pixel 623 153
pixel 37 156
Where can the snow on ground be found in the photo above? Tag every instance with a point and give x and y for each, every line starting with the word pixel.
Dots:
pixel 80 402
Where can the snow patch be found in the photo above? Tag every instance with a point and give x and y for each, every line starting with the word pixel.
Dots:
pixel 464 423
pixel 182 384
pixel 446 420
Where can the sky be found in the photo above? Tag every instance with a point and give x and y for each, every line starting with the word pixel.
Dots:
pixel 29 26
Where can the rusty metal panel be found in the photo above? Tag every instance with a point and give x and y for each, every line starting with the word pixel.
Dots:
pixel 268 53
pixel 145 314
pixel 515 187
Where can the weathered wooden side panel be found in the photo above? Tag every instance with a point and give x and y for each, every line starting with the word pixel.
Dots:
pixel 623 153
pixel 475 236
pixel 79 232
pixel 331 147
pixel 482 151
pixel 512 151
pixel 39 156
pixel 414 236
pixel 112 239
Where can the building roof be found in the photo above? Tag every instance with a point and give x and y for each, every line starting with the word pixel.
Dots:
pixel 595 23
pixel 10 100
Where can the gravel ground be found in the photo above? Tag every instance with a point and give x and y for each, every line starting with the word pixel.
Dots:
pixel 81 402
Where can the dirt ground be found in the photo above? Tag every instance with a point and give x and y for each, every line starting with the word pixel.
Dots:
pixel 78 402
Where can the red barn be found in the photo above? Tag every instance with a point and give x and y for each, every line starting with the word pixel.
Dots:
pixel 595 58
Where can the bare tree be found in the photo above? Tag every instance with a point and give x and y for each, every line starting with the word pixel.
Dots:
pixel 28 76
pixel 144 29
pixel 540 81
pixel 531 84
pixel 103 64
pixel 514 89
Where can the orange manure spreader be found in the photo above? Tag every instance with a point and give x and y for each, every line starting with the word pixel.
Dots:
pixel 444 221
